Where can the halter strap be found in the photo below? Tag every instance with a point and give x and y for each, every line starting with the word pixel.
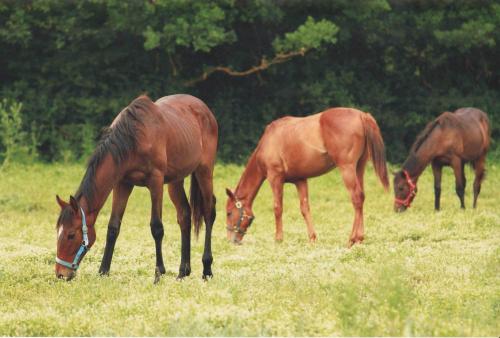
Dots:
pixel 237 227
pixel 413 191
pixel 84 247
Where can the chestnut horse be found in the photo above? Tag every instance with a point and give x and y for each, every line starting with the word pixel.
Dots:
pixel 148 144
pixel 452 139
pixel 293 149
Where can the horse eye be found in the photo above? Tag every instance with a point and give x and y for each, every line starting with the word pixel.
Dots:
pixel 71 236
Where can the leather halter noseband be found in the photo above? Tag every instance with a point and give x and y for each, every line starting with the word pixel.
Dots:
pixel 413 191
pixel 84 247
pixel 237 227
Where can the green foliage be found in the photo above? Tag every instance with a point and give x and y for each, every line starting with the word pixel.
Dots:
pixel 421 273
pixel 310 35
pixel 470 34
pixel 192 24
pixel 78 63
pixel 16 144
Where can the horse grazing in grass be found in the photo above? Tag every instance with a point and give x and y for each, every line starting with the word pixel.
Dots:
pixel 452 139
pixel 148 144
pixel 293 149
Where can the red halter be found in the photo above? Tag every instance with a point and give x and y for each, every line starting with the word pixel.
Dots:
pixel 413 191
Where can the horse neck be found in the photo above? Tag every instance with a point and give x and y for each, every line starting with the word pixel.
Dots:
pixel 250 182
pixel 418 160
pixel 104 178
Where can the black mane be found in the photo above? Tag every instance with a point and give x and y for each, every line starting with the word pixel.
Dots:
pixel 118 140
pixel 423 135
pixel 445 120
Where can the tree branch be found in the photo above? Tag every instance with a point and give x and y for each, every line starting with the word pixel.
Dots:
pixel 264 64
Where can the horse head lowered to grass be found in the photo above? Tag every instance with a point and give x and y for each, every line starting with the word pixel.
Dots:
pixel 292 149
pixel 148 144
pixel 452 139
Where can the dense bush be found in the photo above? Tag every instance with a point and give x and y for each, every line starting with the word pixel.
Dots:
pixel 75 64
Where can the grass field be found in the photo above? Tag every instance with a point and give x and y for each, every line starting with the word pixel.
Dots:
pixel 417 273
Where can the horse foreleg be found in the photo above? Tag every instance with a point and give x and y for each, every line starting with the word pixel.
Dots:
pixel 357 197
pixel 304 208
pixel 178 196
pixel 205 181
pixel 277 188
pixel 120 197
pixel 479 171
pixel 437 171
pixel 458 169
pixel 155 186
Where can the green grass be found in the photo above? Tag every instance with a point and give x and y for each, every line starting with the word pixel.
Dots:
pixel 417 273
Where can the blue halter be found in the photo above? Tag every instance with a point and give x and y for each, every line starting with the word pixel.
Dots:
pixel 84 247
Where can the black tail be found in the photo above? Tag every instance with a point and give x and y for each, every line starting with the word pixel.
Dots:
pixel 196 202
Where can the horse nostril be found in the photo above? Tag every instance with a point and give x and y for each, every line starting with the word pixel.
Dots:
pixel 60 275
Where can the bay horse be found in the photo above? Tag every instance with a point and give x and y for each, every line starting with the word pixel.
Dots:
pixel 452 139
pixel 148 144
pixel 293 149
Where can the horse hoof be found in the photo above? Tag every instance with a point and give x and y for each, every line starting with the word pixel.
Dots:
pixel 157 275
pixel 183 273
pixel 313 238
pixel 207 276
pixel 103 273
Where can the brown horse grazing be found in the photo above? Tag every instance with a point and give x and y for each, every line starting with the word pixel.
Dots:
pixel 148 144
pixel 293 149
pixel 452 139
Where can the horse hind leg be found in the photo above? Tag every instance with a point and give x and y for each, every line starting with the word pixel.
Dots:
pixel 360 173
pixel 178 196
pixel 354 187
pixel 479 176
pixel 204 178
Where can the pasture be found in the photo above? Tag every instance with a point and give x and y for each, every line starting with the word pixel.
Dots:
pixel 417 273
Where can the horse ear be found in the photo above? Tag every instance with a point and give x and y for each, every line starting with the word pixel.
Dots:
pixel 61 203
pixel 230 194
pixel 74 204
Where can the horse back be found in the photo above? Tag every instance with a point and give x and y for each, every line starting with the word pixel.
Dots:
pixel 175 134
pixel 312 145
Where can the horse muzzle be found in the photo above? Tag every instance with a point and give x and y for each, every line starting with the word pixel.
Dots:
pixel 400 208
pixel 64 273
pixel 234 237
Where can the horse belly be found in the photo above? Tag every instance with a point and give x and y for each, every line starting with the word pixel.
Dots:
pixel 307 163
pixel 179 167
pixel 136 177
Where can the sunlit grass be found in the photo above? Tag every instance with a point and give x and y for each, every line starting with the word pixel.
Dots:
pixel 418 273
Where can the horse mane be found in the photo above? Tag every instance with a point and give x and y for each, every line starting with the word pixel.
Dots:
pixel 444 120
pixel 423 135
pixel 119 140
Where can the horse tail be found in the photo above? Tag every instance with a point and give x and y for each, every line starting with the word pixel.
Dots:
pixel 376 148
pixel 196 202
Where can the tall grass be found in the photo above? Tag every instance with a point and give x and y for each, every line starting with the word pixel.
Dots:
pixel 418 273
